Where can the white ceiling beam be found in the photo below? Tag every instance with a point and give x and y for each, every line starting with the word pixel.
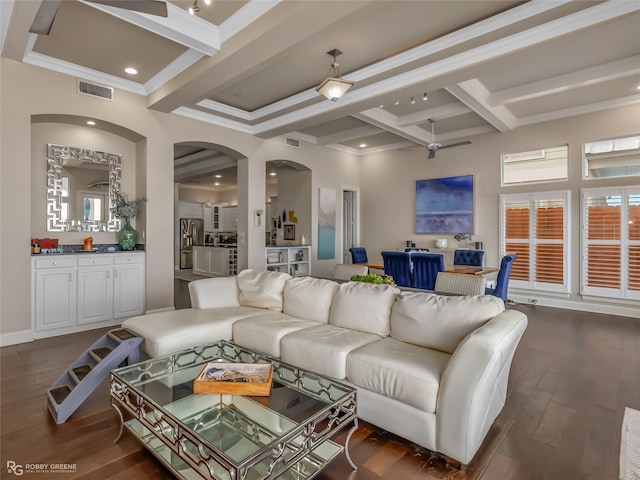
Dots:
pixel 389 122
pixel 473 94
pixel 570 112
pixel 179 26
pixel 244 17
pixel 580 78
pixel 201 155
pixel 437 113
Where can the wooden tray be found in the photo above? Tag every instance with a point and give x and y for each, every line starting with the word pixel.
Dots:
pixel 253 379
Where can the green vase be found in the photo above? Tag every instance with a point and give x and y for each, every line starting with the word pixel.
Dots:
pixel 127 236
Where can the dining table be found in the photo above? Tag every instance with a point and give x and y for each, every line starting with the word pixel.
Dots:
pixel 470 269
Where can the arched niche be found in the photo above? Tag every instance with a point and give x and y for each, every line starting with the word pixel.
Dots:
pixel 288 203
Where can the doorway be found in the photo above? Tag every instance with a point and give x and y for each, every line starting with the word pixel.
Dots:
pixel 349 223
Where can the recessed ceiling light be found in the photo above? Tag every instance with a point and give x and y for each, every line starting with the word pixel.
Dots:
pixel 91 122
pixel 273 174
pixel 424 97
pixel 216 183
pixel 218 176
pixel 638 87
pixel 362 145
pixel 397 102
pixel 131 71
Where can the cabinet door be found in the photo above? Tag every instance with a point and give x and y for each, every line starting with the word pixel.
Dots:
pixel 218 263
pixel 190 210
pixel 201 259
pixel 216 217
pixel 207 216
pixel 128 287
pixel 55 298
pixel 95 294
pixel 230 219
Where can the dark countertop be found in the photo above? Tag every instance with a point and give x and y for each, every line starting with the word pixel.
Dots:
pixel 76 249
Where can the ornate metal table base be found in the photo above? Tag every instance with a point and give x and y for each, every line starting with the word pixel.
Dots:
pixel 233 437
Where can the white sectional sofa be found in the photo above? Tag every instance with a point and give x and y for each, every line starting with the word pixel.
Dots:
pixel 430 368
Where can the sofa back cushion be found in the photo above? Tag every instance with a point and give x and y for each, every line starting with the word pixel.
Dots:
pixel 309 298
pixel 261 289
pixel 363 306
pixel 440 321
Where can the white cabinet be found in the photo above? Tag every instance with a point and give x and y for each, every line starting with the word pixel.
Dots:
pixel 216 217
pixel 74 292
pixel 53 293
pixel 229 218
pixel 190 210
pixel 128 285
pixel 215 261
pixel 95 289
pixel 207 217
pixel 292 260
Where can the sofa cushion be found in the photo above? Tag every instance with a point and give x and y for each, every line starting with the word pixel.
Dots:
pixel 323 349
pixel 399 370
pixel 440 321
pixel 309 298
pixel 262 333
pixel 363 306
pixel 261 289
pixel 170 331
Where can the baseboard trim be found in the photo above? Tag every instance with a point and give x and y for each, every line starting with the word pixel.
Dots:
pixel 15 338
pixel 581 306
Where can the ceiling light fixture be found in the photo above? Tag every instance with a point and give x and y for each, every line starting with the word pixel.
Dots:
pixel 363 145
pixel 91 122
pixel 424 98
pixel 193 9
pixel 413 100
pixel 131 71
pixel 334 87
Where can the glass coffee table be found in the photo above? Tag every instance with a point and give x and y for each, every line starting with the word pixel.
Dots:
pixel 231 437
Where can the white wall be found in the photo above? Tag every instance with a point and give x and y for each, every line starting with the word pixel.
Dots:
pixel 28 90
pixel 387 183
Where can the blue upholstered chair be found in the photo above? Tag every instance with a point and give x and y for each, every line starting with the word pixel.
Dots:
pixel 502 281
pixel 398 265
pixel 358 255
pixel 468 257
pixel 425 269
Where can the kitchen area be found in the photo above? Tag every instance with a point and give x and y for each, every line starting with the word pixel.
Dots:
pixel 208 240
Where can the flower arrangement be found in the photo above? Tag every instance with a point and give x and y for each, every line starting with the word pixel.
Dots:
pixel 373 278
pixel 123 208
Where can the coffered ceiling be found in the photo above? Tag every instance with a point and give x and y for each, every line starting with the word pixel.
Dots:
pixel 484 66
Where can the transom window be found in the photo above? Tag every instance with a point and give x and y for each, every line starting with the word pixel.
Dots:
pixel 548 164
pixel 619 157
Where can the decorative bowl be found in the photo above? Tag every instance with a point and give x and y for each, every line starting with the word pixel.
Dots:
pixel 441 243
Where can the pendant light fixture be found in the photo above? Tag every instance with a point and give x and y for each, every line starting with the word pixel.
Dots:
pixel 334 87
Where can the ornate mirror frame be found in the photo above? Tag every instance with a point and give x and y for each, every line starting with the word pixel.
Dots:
pixel 56 155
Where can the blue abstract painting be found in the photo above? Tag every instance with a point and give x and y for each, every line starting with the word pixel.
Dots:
pixel 327 224
pixel 445 205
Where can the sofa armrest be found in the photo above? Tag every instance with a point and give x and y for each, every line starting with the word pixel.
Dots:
pixel 473 386
pixel 214 292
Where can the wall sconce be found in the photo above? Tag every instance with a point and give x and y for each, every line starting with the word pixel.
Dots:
pixel 257 217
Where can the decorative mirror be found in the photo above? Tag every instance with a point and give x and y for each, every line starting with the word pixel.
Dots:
pixel 80 188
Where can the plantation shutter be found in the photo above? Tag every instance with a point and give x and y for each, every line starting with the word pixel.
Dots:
pixel 611 242
pixel 534 227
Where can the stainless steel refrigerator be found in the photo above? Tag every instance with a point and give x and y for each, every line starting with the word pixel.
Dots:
pixel 191 234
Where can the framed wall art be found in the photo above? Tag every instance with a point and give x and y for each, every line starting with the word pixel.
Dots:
pixel 445 205
pixel 289 232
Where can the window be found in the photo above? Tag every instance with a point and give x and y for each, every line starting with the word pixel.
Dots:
pixel 534 166
pixel 535 227
pixel 611 242
pixel 619 157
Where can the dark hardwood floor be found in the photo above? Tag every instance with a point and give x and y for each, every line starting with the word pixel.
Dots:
pixel 572 376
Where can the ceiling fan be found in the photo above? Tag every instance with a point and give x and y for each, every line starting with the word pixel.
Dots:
pixel 48 8
pixel 434 146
